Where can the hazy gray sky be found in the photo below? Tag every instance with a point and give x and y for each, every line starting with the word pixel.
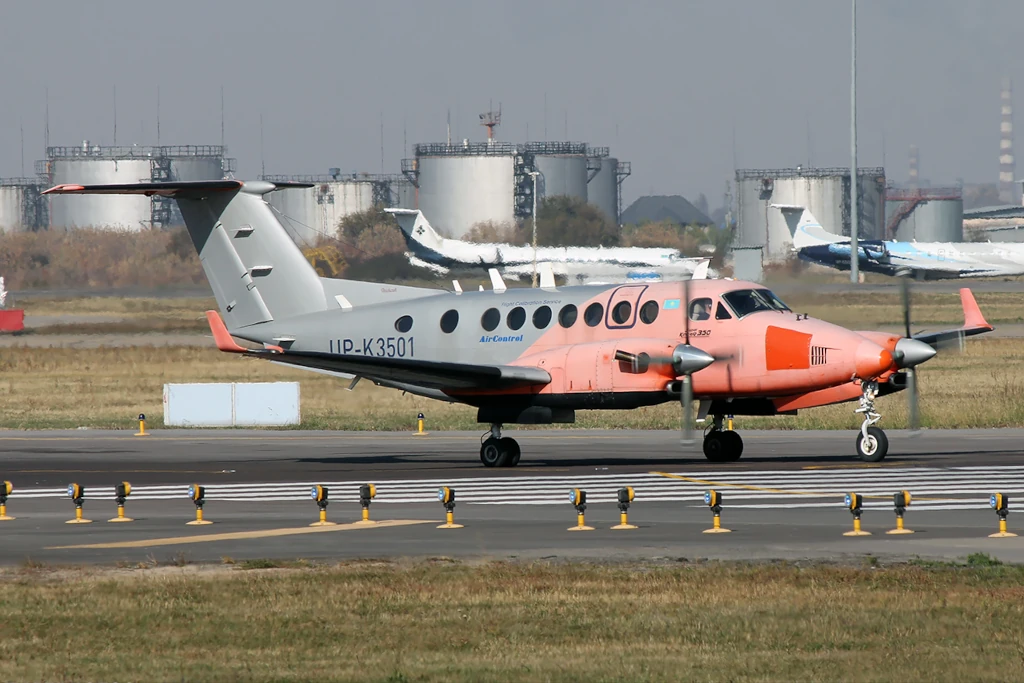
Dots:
pixel 664 84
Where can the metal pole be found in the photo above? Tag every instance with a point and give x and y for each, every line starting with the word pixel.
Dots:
pixel 854 217
pixel 534 174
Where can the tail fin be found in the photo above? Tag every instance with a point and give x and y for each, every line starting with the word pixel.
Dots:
pixel 805 228
pixel 256 271
pixel 416 229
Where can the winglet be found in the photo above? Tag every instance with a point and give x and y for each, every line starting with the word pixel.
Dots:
pixel 700 272
pixel 973 317
pixel 221 335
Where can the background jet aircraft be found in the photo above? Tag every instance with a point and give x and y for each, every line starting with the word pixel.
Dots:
pixel 579 265
pixel 925 260
pixel 536 356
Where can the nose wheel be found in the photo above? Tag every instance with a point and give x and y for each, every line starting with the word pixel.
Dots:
pixel 499 451
pixel 872 443
pixel 722 445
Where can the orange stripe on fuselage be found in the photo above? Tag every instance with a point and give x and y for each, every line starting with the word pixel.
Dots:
pixel 786 349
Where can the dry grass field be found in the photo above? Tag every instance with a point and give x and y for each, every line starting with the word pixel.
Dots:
pixel 108 387
pixel 441 620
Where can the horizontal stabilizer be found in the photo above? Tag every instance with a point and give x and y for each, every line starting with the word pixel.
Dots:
pixel 190 189
pixel 221 336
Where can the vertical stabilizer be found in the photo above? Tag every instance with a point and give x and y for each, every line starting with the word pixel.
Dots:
pixel 805 228
pixel 417 229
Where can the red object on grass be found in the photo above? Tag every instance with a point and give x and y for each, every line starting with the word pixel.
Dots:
pixel 12 320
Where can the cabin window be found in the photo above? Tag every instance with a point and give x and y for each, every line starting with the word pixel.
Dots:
pixel 567 316
pixel 449 321
pixel 721 313
pixel 622 312
pixel 773 301
pixel 490 319
pixel 649 312
pixel 745 301
pixel 404 324
pixel 516 318
pixel 593 315
pixel 542 317
pixel 700 309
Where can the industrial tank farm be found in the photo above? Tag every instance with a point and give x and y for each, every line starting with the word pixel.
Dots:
pixel 562 167
pixel 932 214
pixel 20 206
pixel 825 191
pixel 606 176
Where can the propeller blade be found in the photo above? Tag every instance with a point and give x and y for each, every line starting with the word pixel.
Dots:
pixel 686 311
pixel 913 408
pixel 905 295
pixel 686 405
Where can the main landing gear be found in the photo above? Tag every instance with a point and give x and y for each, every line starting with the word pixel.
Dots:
pixel 498 451
pixel 722 445
pixel 872 444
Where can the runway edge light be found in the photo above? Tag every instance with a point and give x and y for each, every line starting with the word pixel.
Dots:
pixel 713 499
pixel 900 501
pixel 367 492
pixel 446 495
pixel 6 488
pixel 320 494
pixel 1000 502
pixel 198 495
pixel 142 426
pixel 854 502
pixel 624 496
pixel 578 498
pixel 121 493
pixel 76 493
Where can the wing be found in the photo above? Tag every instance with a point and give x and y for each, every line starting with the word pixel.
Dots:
pixel 440 375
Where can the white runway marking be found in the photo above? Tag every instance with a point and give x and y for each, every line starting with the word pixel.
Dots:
pixel 952 488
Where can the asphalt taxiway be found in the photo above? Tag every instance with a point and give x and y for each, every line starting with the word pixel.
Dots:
pixel 783 500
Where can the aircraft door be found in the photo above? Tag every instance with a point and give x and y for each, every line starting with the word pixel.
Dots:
pixel 622 307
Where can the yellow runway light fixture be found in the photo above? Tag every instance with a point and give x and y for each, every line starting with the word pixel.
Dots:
pixel 578 498
pixel 854 502
pixel 122 491
pixel 713 499
pixel 142 426
pixel 367 492
pixel 419 426
pixel 625 497
pixel 76 493
pixel 198 495
pixel 447 497
pixel 901 501
pixel 319 494
pixel 6 488
pixel 1000 502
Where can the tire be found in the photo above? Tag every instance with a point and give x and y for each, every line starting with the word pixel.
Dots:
pixel 715 447
pixel 733 445
pixel 491 453
pixel 511 448
pixel 875 447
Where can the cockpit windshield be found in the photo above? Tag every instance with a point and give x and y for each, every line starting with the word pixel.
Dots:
pixel 773 301
pixel 746 301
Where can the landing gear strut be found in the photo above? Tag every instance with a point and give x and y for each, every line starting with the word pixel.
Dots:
pixel 872 444
pixel 722 445
pixel 498 451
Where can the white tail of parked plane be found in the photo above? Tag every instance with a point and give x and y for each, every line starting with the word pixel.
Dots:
pixel 417 228
pixel 805 228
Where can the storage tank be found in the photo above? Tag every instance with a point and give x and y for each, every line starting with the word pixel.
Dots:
pixel 931 214
pixel 603 188
pixel 21 206
pixel 461 185
pixel 94 165
pixel 403 194
pixel 562 167
pixel 825 191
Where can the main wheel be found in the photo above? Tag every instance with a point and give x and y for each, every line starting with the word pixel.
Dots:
pixel 733 445
pixel 874 447
pixel 716 447
pixel 512 452
pixel 491 452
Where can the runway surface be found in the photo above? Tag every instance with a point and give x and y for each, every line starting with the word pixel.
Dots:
pixel 784 499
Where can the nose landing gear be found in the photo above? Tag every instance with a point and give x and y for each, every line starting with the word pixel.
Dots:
pixel 722 445
pixel 872 443
pixel 498 451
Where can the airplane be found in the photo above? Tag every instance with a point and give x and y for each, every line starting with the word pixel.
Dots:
pixel 924 260
pixel 536 356
pixel 581 265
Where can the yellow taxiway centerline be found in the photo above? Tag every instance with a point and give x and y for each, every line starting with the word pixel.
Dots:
pixel 242 535
pixel 766 489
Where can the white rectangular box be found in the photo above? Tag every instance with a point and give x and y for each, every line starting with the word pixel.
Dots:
pixel 240 404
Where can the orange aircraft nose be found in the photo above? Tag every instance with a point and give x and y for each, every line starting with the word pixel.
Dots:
pixel 872 360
